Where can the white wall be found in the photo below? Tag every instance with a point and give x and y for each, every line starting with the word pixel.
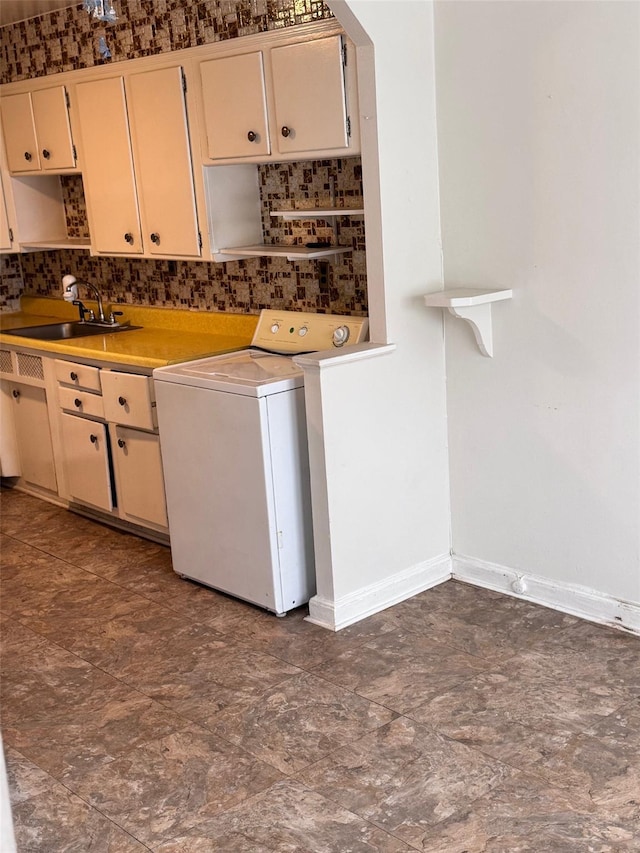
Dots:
pixel 378 426
pixel 539 138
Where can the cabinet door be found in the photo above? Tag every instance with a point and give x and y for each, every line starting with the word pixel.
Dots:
pixel 53 131
pixel 6 235
pixel 162 157
pixel 33 434
pixel 86 461
pixel 139 480
pixel 107 167
pixel 235 107
pixel 19 133
pixel 309 91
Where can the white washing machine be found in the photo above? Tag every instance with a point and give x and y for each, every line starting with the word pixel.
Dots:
pixel 234 453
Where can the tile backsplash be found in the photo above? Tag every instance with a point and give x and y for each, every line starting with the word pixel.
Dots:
pixel 67 40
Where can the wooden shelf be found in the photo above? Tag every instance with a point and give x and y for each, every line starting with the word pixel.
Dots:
pixel 291 253
pixel 473 305
pixel 318 213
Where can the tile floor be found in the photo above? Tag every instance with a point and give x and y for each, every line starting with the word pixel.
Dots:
pixel 143 712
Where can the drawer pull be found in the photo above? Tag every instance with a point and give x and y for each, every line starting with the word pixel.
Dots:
pixel 93 438
pixel 15 393
pixel 122 401
pixel 77 403
pixel 252 136
pixel 286 131
pixel 74 376
pixel 122 442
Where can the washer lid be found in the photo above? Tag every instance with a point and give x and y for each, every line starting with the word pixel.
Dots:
pixel 250 372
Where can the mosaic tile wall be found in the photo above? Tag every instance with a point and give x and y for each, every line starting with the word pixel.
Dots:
pixel 10 282
pixel 67 40
pixel 240 286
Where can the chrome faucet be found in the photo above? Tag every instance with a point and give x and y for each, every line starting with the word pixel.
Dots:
pixel 70 284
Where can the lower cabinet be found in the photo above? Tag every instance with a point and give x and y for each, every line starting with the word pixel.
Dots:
pixel 111 447
pixel 33 435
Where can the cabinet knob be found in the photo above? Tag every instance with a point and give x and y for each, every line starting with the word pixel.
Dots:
pixel 77 403
pixel 15 393
pixel 252 136
pixel 28 157
pixel 128 237
pixel 122 442
pixel 93 438
pixel 155 238
pixel 122 401
pixel 285 131
pixel 73 376
pixel 46 154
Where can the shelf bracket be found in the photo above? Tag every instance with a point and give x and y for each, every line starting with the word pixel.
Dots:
pixel 474 306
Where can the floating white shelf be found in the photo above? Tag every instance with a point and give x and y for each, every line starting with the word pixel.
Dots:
pixel 473 305
pixel 40 245
pixel 291 253
pixel 318 213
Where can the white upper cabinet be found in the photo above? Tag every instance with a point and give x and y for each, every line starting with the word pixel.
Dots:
pixel 235 106
pixel 282 102
pixel 162 157
pixel 6 232
pixel 37 131
pixel 310 98
pixel 137 169
pixel 107 167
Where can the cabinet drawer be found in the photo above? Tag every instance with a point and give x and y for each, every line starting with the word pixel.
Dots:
pixel 129 399
pixel 81 402
pixel 77 375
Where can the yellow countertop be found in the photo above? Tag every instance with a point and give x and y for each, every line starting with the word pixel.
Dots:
pixel 167 335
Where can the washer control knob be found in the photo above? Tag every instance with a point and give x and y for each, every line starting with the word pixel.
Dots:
pixel 275 328
pixel 303 331
pixel 340 336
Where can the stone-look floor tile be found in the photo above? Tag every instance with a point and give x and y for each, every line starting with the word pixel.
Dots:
pixel 524 815
pixel 400 669
pixel 301 643
pixel 25 778
pixel 523 692
pixel 298 722
pixel 175 784
pixel 21 514
pixel 602 766
pixel 200 680
pixel 287 817
pixel 404 778
pixel 57 821
pixel 70 744
pixel 477 621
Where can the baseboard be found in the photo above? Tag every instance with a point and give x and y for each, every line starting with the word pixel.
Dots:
pixel 371 599
pixel 569 598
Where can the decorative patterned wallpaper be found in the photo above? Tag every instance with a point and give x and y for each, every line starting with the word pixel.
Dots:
pixel 68 40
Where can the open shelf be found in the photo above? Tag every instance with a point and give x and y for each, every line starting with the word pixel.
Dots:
pixel 318 213
pixel 291 253
pixel 40 245
pixel 473 305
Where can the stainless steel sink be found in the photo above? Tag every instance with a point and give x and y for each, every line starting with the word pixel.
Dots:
pixel 65 331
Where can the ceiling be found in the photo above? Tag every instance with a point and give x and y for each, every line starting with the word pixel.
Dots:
pixel 19 10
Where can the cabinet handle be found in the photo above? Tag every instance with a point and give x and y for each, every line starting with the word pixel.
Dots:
pixel 77 403
pixel 74 376
pixel 252 136
pixel 285 131
pixel 93 438
pixel 46 154
pixel 122 401
pixel 128 237
pixel 15 393
pixel 28 157
pixel 155 238
pixel 122 442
